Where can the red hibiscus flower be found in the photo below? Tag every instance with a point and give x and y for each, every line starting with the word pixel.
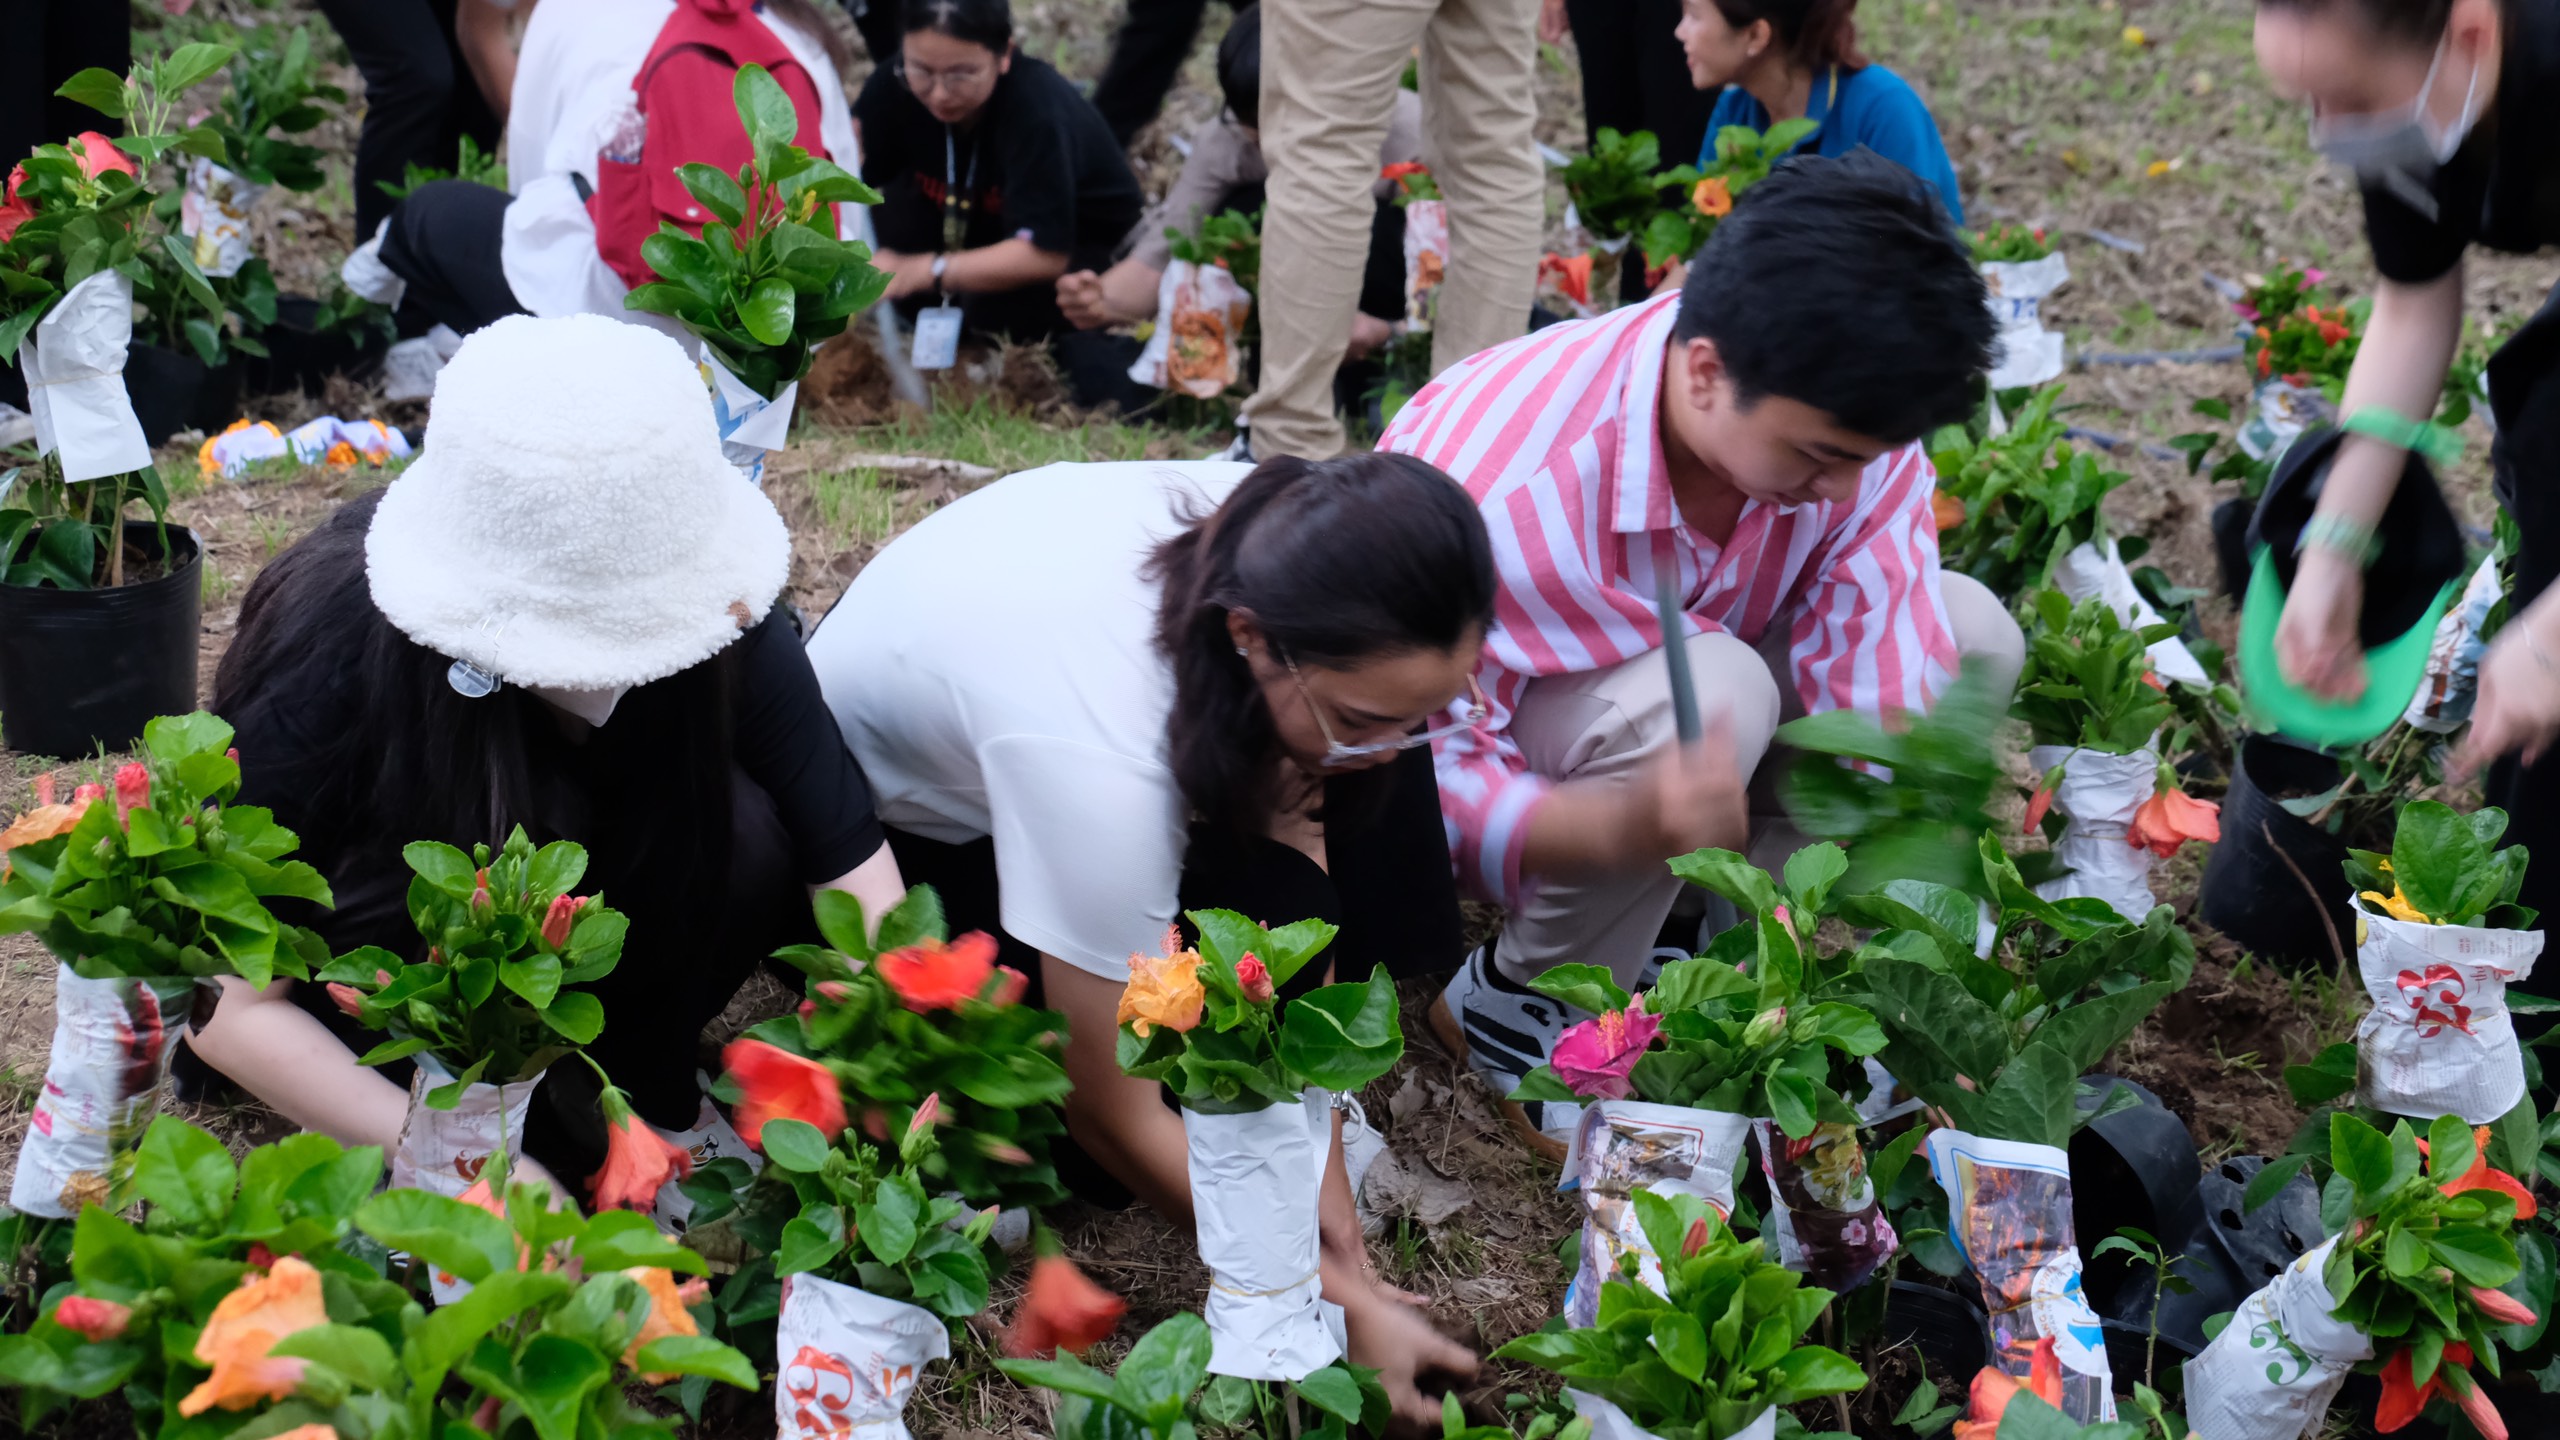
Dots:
pixel 779 1085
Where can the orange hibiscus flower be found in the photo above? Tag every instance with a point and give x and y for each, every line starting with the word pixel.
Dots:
pixel 1163 990
pixel 1061 1310
pixel 2170 819
pixel 667 1315
pixel 1713 197
pixel 1946 509
pixel 779 1085
pixel 1993 1390
pixel 930 975
pixel 245 1326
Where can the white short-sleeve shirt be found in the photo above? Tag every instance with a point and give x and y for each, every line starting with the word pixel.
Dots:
pixel 995 671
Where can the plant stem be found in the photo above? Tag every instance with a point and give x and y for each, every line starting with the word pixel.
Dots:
pixel 115 545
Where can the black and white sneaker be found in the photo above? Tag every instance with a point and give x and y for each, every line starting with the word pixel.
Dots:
pixel 1503 1031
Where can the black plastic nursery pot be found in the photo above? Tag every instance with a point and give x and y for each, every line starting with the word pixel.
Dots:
pixel 300 357
pixel 2274 883
pixel 2231 543
pixel 80 669
pixel 2135 1169
pixel 172 391
pixel 1950 1329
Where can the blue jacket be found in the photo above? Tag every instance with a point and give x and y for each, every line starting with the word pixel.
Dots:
pixel 1872 107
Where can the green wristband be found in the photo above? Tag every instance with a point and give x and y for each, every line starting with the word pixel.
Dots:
pixel 2440 445
pixel 2351 538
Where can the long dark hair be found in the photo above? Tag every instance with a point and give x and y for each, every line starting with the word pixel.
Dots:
pixel 351 732
pixel 1337 562
pixel 1817 34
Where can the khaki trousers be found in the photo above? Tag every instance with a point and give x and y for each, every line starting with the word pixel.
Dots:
pixel 1606 723
pixel 1329 72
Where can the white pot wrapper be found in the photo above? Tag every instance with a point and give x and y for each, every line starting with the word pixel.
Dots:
pixel 214 213
pixel 1880 1106
pixel 2023 351
pixel 243 445
pixel 1822 1206
pixel 74 364
pixel 2438 1040
pixel 849 1360
pixel 410 368
pixel 1426 258
pixel 2273 1370
pixel 371 440
pixel 1608 1422
pixel 2097 796
pixel 444 1151
pixel 2452 680
pixel 1256 1183
pixel 1622 1146
pixel 2093 568
pixel 111 1044
pixel 1198 344
pixel 2009 1212
pixel 367 278
pixel 2279 410
pixel 751 427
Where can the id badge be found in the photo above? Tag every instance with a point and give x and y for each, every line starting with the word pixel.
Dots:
pixel 937 344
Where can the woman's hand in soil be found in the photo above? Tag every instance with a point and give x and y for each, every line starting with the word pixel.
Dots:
pixel 2316 644
pixel 1398 1341
pixel 2519 705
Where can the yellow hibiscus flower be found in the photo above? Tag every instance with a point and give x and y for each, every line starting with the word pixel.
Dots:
pixel 1163 990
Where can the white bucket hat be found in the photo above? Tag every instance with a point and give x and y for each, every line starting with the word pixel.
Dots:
pixel 572 522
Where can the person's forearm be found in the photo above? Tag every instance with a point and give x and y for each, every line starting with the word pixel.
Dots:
pixel 2400 366
pixel 876 883
pixel 480 33
pixel 1122 1122
pixel 1129 291
pixel 1005 265
pixel 273 1049
pixel 1337 1214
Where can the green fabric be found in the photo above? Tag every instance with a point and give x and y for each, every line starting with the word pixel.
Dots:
pixel 2439 444
pixel 2392 671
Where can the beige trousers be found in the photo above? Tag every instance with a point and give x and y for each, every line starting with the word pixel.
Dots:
pixel 1329 72
pixel 1606 723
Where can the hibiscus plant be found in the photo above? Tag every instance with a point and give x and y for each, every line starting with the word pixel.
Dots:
pixel 2445 868
pixel 767 280
pixel 1706 193
pixel 1158 1392
pixel 1209 1022
pixel 1919 817
pixel 2002 1407
pixel 1743 1028
pixel 2088 684
pixel 2028 495
pixel 1721 1344
pixel 2008 243
pixel 506 940
pixel 163 876
pixel 903 1016
pixel 2426 1263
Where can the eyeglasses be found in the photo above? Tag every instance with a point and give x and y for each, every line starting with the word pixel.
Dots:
pixel 1471 713
pixel 958 79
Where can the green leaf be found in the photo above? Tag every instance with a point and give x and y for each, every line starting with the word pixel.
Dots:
pixel 100 90
pixel 463 1239
pixel 1811 872
pixel 629 1239
pixel 1682 1343
pixel 553 1379
pixel 2480 1256
pixel 360 1355
pixel 191 65
pixel 2361 1154
pixel 888 1225
pixel 1333 1391
pixel 1737 879
pixel 697 1355
pixel 1342 1036
pixel 575 1016
pixel 2450 1148
pixel 1163 1368
pixel 809 1240
pixel 795 1145
pixel 716 191
pixel 184 1171
pixel 1586 987
pixel 763 108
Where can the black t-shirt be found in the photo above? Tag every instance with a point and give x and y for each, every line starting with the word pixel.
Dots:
pixel 1039 165
pixel 2502 188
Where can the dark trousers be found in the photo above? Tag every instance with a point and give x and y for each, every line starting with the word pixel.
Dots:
pixel 444 240
pixel 1634 77
pixel 2524 396
pixel 419 96
pixel 1146 57
pixel 48 42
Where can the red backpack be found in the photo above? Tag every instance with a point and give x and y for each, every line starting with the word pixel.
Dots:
pixel 684 99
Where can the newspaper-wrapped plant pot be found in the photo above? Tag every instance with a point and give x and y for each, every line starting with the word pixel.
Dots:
pixel 1622 1146
pixel 214 214
pixel 2280 410
pixel 1197 347
pixel 2451 684
pixel 2009 1212
pixel 2097 795
pixel 2093 568
pixel 444 1151
pixel 1822 1207
pixel 111 1045
pixel 2274 1369
pixel 751 426
pixel 2438 1040
pixel 1426 258
pixel 1256 1183
pixel 74 364
pixel 2024 352
pixel 848 1361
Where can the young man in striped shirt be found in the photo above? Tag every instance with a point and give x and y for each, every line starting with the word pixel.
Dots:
pixel 1755 439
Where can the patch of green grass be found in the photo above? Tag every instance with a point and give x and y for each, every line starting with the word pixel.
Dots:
pixel 986 432
pixel 855 505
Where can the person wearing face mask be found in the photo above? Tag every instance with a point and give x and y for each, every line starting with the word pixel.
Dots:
pixel 1097 696
pixel 2442 109
pixel 1752 440
pixel 563 616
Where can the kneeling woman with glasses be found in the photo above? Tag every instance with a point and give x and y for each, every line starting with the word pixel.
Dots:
pixel 996 177
pixel 1091 697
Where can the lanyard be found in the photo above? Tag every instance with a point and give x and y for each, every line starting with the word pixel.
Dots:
pixel 956 194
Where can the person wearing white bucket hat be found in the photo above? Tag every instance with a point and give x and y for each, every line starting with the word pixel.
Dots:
pixel 562 616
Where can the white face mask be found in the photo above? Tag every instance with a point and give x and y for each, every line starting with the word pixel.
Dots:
pixel 2397 148
pixel 593 706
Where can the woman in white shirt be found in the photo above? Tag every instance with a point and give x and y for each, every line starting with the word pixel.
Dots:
pixel 470 253
pixel 1091 697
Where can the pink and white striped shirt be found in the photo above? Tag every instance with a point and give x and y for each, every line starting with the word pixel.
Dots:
pixel 1556 435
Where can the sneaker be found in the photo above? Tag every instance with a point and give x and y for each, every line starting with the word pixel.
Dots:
pixel 1361 1147
pixel 1503 1031
pixel 1239 449
pixel 710 1138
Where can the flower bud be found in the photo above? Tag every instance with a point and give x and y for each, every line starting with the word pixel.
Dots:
pixel 556 921
pixel 1766 1026
pixel 96 1321
pixel 480 892
pixel 133 788
pixel 1254 978
pixel 834 992
pixel 1010 985
pixel 347 998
